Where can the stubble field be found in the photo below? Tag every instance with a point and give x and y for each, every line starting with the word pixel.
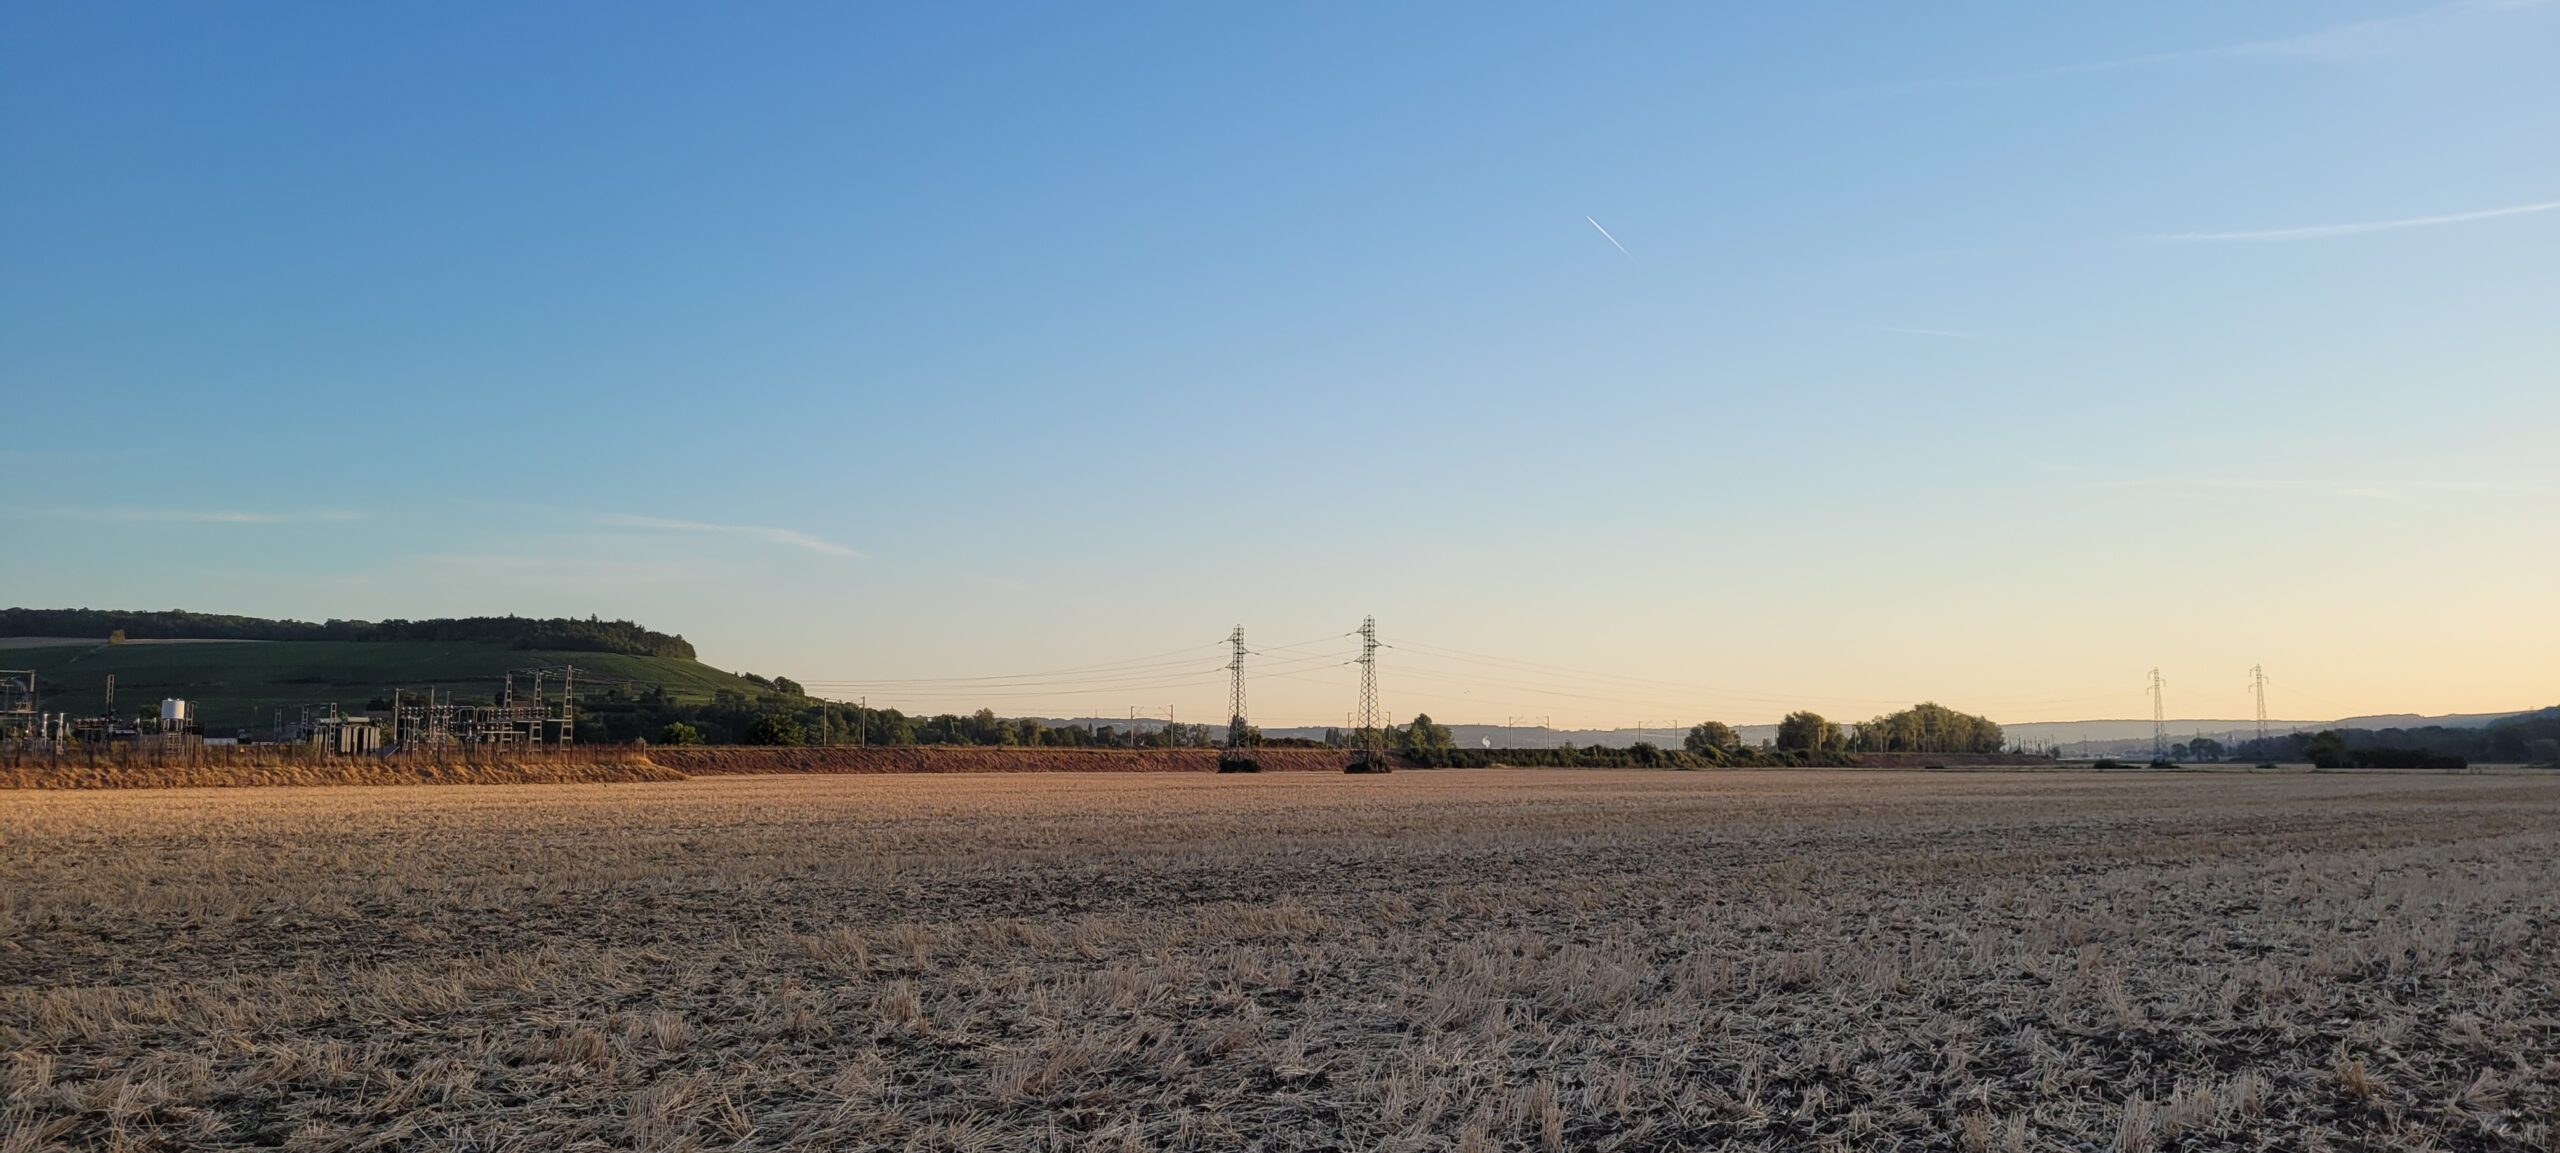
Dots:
pixel 1446 960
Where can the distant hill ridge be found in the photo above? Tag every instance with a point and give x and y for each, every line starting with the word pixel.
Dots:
pixel 555 634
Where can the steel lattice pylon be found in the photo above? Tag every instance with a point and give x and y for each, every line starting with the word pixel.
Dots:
pixel 1235 689
pixel 1371 733
pixel 2258 688
pixel 1234 758
pixel 2159 718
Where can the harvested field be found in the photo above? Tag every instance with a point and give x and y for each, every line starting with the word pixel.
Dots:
pixel 1445 960
pixel 728 759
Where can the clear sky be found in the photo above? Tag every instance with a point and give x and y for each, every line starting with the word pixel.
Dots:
pixel 1993 354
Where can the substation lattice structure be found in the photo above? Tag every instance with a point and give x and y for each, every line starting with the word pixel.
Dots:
pixel 531 718
pixel 23 722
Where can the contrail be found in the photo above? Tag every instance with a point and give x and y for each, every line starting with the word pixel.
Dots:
pixel 2327 230
pixel 1613 240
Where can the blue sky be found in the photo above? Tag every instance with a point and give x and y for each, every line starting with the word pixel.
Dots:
pixel 1993 354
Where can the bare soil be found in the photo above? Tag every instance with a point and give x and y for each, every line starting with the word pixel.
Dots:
pixel 1467 960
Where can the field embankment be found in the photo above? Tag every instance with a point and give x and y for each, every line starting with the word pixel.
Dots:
pixel 1951 761
pixel 237 767
pixel 863 760
pixel 269 765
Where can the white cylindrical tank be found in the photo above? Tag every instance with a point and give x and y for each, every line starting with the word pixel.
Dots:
pixel 173 709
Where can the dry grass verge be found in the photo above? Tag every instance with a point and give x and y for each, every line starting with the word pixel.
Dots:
pixel 1457 960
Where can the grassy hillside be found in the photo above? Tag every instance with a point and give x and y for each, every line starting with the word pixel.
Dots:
pixel 236 683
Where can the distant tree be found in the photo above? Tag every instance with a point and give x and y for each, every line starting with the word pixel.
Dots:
pixel 1645 753
pixel 774 729
pixel 1425 734
pixel 787 686
pixel 1710 737
pixel 1804 731
pixel 2205 749
pixel 1928 727
pixel 2327 750
pixel 679 733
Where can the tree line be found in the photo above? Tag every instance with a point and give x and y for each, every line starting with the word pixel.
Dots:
pixel 566 634
pixel 780 714
pixel 2530 738
pixel 1927 727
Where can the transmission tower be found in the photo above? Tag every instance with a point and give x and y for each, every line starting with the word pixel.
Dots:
pixel 2258 688
pixel 1371 729
pixel 2159 719
pixel 1234 758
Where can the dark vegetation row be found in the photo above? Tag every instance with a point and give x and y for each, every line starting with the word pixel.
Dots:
pixel 2532 738
pixel 567 634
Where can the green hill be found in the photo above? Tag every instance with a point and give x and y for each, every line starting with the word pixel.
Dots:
pixel 233 683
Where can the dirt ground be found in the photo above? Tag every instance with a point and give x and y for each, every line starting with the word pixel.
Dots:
pixel 1479 960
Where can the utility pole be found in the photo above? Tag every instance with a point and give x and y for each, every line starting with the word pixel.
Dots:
pixel 2159 718
pixel 1370 731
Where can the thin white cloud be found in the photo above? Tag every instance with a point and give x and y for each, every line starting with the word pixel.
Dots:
pixel 2322 231
pixel 131 513
pixel 547 570
pixel 2361 39
pixel 780 536
pixel 2405 491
